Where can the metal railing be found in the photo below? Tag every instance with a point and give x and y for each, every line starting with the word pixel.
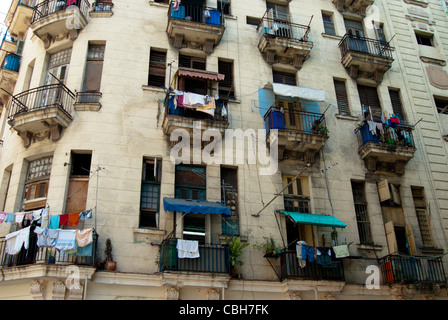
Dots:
pixel 11 62
pixel 195 13
pixel 35 254
pixel 407 269
pixel 271 27
pixel 53 95
pixel 88 97
pixel 212 259
pixel 290 268
pixel 368 46
pixel 49 7
pixel 399 136
pixel 295 120
pixel 102 6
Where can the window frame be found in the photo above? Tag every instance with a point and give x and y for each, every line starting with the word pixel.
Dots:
pixel 150 213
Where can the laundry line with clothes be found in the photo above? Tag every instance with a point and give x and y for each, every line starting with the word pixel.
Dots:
pixel 181 103
pixel 327 257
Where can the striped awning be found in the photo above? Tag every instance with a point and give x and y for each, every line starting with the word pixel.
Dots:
pixel 207 75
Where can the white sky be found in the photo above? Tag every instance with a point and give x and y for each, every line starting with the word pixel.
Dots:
pixel 4 7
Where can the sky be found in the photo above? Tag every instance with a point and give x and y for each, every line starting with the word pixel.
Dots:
pixel 4 7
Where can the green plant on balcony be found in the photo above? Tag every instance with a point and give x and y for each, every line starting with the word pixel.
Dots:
pixel 269 247
pixel 235 250
pixel 318 128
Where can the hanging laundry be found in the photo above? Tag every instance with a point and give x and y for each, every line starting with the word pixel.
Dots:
pixel 372 126
pixel 85 215
pixel 63 219
pixel 301 261
pixel 208 107
pixel 9 217
pixel 187 249
pixel 308 253
pixel 2 217
pixel 46 237
pixel 223 111
pixel 28 216
pixel 19 217
pixel 195 100
pixel 16 240
pixel 380 128
pixel 37 215
pixel 341 251
pixel 85 251
pixel 176 5
pixel 54 222
pixel 66 239
pixel 73 219
pixel 84 237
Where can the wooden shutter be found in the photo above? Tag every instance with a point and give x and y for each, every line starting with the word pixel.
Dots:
pixel 94 71
pixel 341 97
pixel 284 77
pixel 226 85
pixel 390 237
pixel 396 103
pixel 157 68
pixel 383 190
pixel 411 240
pixel 370 101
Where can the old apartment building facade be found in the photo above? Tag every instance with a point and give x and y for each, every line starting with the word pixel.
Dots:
pixel 350 96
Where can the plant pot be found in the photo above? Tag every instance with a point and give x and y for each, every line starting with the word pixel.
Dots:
pixel 233 272
pixel 51 260
pixel 111 265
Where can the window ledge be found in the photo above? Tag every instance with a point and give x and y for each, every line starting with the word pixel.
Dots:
pixel 158 4
pixel 96 106
pixel 369 247
pixel 151 88
pixel 101 14
pixel 331 36
pixel 156 232
pixel 347 117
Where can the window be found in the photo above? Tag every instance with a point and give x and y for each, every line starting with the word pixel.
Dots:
pixel 396 103
pixel 441 105
pixel 190 182
pixel 341 97
pixel 36 184
pixel 425 40
pixel 328 24
pixel 284 77
pixel 253 21
pixel 380 33
pixel 362 216
pixel 418 195
pixel 93 73
pixel 78 182
pixel 150 193
pixel 226 87
pixel 278 11
pixel 229 197
pixel 192 62
pixel 354 28
pixel 370 102
pixel 224 6
pixel 157 68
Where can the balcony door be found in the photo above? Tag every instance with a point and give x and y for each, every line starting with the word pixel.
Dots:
pixel 56 73
pixel 355 33
pixel 279 21
pixel 292 115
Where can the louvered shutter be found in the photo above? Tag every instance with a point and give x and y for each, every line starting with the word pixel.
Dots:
pixel 396 103
pixel 370 101
pixel 341 97
pixel 157 68
pixel 284 78
pixel 226 85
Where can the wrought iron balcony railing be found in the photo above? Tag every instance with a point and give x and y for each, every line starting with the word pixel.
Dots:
pixel 49 7
pixel 196 13
pixel 371 47
pixel 295 120
pixel 35 254
pixel 399 136
pixel 407 269
pixel 271 27
pixel 53 95
pixel 290 268
pixel 212 259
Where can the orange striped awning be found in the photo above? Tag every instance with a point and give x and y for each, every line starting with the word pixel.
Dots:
pixel 193 73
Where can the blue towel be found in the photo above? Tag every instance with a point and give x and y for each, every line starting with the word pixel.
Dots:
pixel 54 222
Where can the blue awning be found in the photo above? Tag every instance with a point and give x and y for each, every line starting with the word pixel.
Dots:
pixel 195 206
pixel 315 219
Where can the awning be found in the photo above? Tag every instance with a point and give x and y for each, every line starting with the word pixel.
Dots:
pixel 195 206
pixel 201 74
pixel 298 92
pixel 315 219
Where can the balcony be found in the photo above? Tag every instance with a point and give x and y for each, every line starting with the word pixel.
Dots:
pixel 388 151
pixel 194 26
pixel 19 16
pixel 213 259
pixel 281 41
pixel 290 269
pixel 301 134
pixel 365 58
pixel 9 72
pixel 40 262
pixel 407 269
pixel 54 20
pixel 177 117
pixel 353 6
pixel 42 111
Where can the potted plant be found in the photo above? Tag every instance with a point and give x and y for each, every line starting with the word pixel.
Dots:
pixel 235 251
pixel 269 247
pixel 110 264
pixel 323 130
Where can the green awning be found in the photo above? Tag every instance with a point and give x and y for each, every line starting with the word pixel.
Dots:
pixel 315 219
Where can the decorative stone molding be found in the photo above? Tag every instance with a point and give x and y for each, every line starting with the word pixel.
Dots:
pixel 212 294
pixel 422 4
pixel 293 295
pixel 326 296
pixel 396 292
pixel 59 290
pixel 37 289
pixel 172 293
pixel 75 293
pixel 437 76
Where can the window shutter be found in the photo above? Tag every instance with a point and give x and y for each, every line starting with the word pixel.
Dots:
pixel 411 239
pixel 341 97
pixel 226 85
pixel 369 100
pixel 390 237
pixel 94 71
pixel 157 68
pixel 396 103
pixel 284 78
pixel 383 190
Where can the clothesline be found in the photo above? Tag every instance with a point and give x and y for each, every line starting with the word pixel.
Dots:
pixel 197 102
pixel 70 219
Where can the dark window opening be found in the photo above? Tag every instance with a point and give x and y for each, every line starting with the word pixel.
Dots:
pixel 157 68
pixel 424 40
pixel 341 97
pixel 81 164
pixel 192 62
pixel 441 105
pixel 397 107
pixel 224 6
pixel 253 21
pixel 226 87
pixel 284 77
pixel 150 193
